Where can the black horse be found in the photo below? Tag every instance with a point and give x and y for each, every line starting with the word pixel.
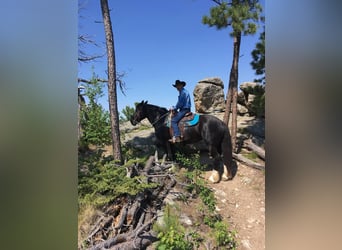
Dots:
pixel 209 128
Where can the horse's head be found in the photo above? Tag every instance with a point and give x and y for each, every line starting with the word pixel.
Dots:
pixel 139 113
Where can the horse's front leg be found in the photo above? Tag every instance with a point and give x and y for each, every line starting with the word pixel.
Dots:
pixel 169 151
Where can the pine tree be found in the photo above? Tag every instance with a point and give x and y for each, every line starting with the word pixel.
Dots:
pixel 93 118
pixel 242 16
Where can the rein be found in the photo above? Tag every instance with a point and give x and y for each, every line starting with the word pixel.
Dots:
pixel 160 118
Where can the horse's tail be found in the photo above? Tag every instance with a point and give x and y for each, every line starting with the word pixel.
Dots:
pixel 226 148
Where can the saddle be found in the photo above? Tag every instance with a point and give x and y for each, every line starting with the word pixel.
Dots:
pixel 190 119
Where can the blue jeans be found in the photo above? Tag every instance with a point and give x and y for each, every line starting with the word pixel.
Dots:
pixel 176 119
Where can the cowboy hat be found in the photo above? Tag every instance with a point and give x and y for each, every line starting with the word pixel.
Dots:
pixel 178 82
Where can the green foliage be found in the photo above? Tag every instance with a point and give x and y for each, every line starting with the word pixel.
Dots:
pixel 171 233
pixel 173 239
pixel 257 107
pixel 220 231
pixel 195 238
pixel 95 121
pixel 241 15
pixel 127 113
pixel 104 183
pixel 251 155
pixel 191 162
pixel 223 236
pixel 210 219
pixel 258 54
pixel 197 184
pixel 208 198
pixel 170 219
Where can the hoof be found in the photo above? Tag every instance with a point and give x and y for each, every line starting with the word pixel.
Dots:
pixel 227 175
pixel 226 178
pixel 214 177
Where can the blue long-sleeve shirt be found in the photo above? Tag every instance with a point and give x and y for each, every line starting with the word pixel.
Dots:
pixel 183 100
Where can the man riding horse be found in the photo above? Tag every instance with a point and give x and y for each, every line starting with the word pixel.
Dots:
pixel 182 107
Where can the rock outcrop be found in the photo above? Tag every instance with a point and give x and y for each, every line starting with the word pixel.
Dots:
pixel 209 95
pixel 249 96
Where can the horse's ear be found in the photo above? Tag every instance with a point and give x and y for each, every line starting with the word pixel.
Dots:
pixel 145 102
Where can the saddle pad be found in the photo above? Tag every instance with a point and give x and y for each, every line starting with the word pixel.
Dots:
pixel 192 122
pixel 185 121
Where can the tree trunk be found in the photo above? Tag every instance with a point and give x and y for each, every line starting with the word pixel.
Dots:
pixel 255 148
pixel 112 93
pixel 248 162
pixel 81 104
pixel 228 102
pixel 231 102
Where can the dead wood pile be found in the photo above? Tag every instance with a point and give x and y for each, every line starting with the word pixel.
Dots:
pixel 127 223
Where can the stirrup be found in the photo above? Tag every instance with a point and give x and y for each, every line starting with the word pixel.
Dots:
pixel 175 139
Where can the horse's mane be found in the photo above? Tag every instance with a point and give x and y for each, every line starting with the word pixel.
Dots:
pixel 157 108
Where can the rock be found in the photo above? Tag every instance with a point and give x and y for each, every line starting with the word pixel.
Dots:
pixel 246 244
pixel 246 86
pixel 209 95
pixel 184 219
pixel 250 91
pixel 242 110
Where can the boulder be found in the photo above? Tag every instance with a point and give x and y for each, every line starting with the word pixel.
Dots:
pixel 249 97
pixel 242 110
pixel 209 95
pixel 249 90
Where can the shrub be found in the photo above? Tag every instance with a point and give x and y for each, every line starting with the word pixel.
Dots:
pixel 170 233
pixel 223 236
pixel 104 183
pixel 95 121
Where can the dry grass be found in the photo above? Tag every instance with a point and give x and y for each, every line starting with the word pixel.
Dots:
pixel 87 217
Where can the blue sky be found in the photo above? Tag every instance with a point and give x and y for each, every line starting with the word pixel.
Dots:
pixel 159 41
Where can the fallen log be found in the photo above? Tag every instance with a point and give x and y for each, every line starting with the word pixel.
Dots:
pixel 149 164
pixel 255 148
pixel 131 214
pixel 127 237
pixel 140 242
pixel 121 217
pixel 248 162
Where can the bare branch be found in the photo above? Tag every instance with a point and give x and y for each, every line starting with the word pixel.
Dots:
pixel 119 81
pixel 220 2
pixel 90 82
pixel 88 59
pixel 86 39
pixel 83 57
pixel 217 1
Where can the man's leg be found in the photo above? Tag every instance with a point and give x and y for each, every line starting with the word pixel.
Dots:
pixel 175 120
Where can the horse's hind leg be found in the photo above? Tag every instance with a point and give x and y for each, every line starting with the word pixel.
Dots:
pixel 226 174
pixel 210 153
pixel 215 175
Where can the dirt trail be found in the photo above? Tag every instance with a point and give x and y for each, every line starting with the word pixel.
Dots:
pixel 241 202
